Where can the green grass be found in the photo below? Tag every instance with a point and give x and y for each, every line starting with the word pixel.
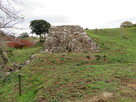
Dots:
pixel 69 82
pixel 116 44
pixel 21 55
pixel 63 77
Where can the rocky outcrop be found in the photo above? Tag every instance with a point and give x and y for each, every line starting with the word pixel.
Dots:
pixel 69 38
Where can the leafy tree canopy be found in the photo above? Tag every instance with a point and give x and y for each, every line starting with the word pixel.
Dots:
pixel 39 27
pixel 126 24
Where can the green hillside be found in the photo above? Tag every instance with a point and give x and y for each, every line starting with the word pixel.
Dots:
pixel 117 44
pixel 77 77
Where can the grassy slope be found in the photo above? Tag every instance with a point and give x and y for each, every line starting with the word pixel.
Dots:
pixel 117 44
pixel 21 55
pixel 77 76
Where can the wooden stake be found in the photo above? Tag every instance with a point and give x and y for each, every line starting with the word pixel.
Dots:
pixel 19 80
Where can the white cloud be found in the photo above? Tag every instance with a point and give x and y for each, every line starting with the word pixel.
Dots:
pixel 87 13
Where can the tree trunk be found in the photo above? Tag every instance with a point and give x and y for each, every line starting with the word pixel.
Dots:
pixel 40 38
pixel 5 60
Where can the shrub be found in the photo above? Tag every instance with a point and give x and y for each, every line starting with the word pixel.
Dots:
pixel 97 57
pixel 19 44
pixel 23 35
pixel 88 57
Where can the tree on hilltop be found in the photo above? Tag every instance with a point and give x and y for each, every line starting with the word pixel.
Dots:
pixel 39 27
pixel 126 24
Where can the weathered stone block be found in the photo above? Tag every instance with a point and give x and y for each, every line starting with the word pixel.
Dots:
pixel 69 38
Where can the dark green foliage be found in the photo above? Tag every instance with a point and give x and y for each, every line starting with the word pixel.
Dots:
pixel 88 57
pixel 126 24
pixel 97 57
pixel 23 35
pixel 134 25
pixel 39 27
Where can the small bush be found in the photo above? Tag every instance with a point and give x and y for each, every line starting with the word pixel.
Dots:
pixel 19 44
pixel 88 57
pixel 97 57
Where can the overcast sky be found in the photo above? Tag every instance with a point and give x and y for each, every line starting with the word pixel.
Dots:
pixel 86 13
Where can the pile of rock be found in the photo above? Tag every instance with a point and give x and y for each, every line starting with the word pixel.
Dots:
pixel 69 38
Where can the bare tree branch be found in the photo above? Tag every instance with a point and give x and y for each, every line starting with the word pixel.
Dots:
pixel 11 17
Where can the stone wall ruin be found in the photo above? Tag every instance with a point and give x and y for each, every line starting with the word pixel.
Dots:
pixel 69 38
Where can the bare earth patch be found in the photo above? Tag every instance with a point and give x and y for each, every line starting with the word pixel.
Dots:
pixel 132 85
pixel 104 97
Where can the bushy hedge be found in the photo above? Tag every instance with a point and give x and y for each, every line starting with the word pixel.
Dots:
pixel 19 44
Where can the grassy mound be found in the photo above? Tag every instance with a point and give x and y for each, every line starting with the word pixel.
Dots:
pixel 70 77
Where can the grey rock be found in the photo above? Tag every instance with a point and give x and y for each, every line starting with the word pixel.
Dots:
pixel 28 62
pixel 69 38
pixel 7 73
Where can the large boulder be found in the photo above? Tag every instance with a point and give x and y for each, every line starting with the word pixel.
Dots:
pixel 69 38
